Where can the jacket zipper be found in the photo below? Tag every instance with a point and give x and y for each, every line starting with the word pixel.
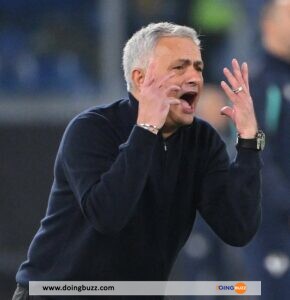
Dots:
pixel 165 146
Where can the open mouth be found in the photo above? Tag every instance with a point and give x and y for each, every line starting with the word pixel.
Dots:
pixel 189 97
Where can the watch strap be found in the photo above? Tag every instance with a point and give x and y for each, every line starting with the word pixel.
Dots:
pixel 256 143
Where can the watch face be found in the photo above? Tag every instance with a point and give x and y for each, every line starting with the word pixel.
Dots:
pixel 261 139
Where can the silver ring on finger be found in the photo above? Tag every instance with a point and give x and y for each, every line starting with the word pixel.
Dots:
pixel 237 90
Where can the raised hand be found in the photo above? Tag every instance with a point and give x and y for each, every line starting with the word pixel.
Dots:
pixel 242 111
pixel 155 97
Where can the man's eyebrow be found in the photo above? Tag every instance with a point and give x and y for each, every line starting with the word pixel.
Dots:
pixel 186 61
pixel 198 63
pixel 183 61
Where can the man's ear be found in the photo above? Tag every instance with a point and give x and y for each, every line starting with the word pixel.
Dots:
pixel 138 76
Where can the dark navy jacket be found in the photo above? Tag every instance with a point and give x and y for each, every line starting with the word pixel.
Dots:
pixel 123 200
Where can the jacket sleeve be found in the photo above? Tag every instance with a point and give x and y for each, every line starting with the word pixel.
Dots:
pixel 107 179
pixel 230 199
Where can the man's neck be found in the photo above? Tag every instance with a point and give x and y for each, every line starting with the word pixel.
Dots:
pixel 167 131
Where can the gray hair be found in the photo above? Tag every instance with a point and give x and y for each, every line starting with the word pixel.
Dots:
pixel 140 46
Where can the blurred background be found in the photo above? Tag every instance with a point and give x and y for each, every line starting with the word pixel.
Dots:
pixel 59 57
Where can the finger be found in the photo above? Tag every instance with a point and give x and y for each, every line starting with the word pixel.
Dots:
pixel 231 78
pixel 245 74
pixel 231 95
pixel 149 73
pixel 172 88
pixel 173 101
pixel 228 111
pixel 237 72
pixel 164 78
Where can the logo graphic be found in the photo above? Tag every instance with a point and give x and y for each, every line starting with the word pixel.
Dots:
pixel 240 288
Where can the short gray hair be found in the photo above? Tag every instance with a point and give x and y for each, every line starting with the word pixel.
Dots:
pixel 139 47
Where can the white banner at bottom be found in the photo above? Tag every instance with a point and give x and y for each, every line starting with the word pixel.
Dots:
pixel 145 288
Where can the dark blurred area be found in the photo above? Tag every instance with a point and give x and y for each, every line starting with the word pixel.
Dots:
pixel 27 155
pixel 48 46
pixel 60 57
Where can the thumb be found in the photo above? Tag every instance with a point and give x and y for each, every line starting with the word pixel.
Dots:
pixel 228 111
pixel 173 101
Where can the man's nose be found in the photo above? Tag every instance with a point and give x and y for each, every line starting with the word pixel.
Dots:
pixel 194 77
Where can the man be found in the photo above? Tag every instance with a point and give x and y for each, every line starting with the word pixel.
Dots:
pixel 130 176
pixel 268 257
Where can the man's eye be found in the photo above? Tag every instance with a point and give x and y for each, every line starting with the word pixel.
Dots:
pixel 178 67
pixel 199 69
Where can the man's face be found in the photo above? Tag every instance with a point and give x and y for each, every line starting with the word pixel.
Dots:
pixel 181 56
pixel 278 24
pixel 283 23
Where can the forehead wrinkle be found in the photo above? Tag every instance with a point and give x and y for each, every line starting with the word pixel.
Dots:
pixel 188 62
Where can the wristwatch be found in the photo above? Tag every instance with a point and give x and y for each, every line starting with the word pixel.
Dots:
pixel 257 143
